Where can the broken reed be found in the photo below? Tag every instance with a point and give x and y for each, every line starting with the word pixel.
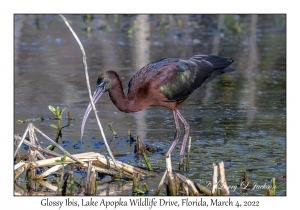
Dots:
pixel 141 148
pixel 136 184
pixel 95 161
pixel 188 153
pixel 177 184
pixel 171 182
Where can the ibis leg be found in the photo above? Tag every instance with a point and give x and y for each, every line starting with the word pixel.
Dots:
pixel 177 134
pixel 185 137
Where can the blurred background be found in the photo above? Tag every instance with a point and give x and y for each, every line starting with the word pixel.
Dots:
pixel 239 117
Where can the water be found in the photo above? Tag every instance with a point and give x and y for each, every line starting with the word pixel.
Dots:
pixel 239 118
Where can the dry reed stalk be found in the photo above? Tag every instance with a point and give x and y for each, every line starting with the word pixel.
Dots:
pixel 52 161
pixel 104 169
pixel 91 180
pixel 188 182
pixel 203 189
pixel 224 187
pixel 38 148
pixel 139 147
pixel 188 154
pixel 21 142
pixel 47 185
pixel 124 166
pixel 185 188
pixel 160 183
pixel 32 136
pixel 79 157
pixel 214 180
pixel 88 174
pixel 93 156
pixel 49 171
pixel 271 189
pixel 20 168
pixel 171 181
pixel 33 139
pixel 136 182
pixel 39 155
pixel 171 185
pixel 31 173
pixel 89 88
pixel 83 157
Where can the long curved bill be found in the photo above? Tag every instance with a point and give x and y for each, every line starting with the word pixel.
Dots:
pixel 97 94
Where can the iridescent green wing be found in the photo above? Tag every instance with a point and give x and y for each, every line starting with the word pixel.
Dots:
pixel 177 84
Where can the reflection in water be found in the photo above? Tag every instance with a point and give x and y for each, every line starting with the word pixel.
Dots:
pixel 217 36
pixel 250 72
pixel 141 57
pixel 215 50
pixel 239 118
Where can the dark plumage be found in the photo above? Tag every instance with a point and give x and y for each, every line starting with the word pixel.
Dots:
pixel 166 82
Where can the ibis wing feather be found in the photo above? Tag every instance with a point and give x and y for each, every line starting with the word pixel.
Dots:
pixel 146 73
pixel 177 83
pixel 192 73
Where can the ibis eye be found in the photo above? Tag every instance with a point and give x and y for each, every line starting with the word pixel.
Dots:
pixel 103 85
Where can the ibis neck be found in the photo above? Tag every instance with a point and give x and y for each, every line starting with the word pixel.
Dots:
pixel 120 100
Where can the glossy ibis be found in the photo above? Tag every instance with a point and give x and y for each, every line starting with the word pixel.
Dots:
pixel 166 82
